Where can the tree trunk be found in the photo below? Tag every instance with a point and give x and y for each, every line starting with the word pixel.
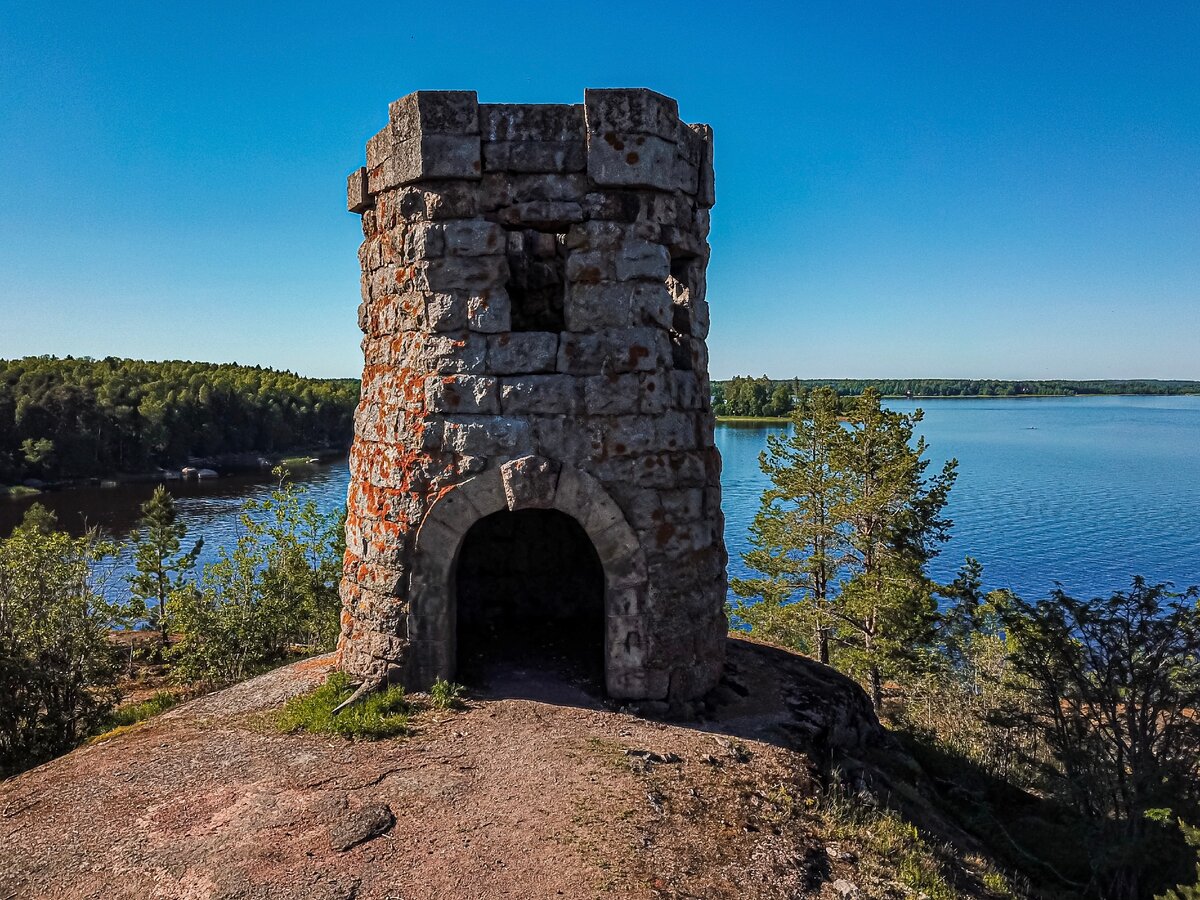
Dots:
pixel 876 689
pixel 823 645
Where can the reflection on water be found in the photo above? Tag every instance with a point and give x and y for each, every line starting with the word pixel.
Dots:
pixel 210 509
pixel 1086 491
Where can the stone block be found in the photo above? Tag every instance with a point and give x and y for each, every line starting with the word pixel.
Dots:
pixel 670 470
pixel 630 111
pixel 522 352
pixel 483 435
pixel 628 639
pixel 434 112
pixel 611 395
pixel 619 159
pixel 526 122
pixel 422 241
pixel 501 189
pixel 676 431
pixel 473 237
pixel 534 156
pixel 630 435
pixel 358 199
pixel 530 482
pixel 462 394
pixel 685 389
pixel 539 395
pixel 642 259
pixel 616 350
pixel 489 312
pixel 629 682
pixel 597 235
pixel 464 273
pixel 427 158
pixel 627 601
pixel 545 215
pixel 609 304
pixel 654 394
pixel 705 189
pixel 591 267
pixel 445 312
pixel 455 353
pixel 700 320
pixel 438 201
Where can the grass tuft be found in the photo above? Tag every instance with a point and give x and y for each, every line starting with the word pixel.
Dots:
pixel 446 694
pixel 883 834
pixel 381 714
pixel 124 718
pixel 137 712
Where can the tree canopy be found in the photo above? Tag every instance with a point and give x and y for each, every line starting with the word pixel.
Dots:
pixel 65 418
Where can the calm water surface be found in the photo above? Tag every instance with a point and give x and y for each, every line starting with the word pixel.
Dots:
pixel 1085 491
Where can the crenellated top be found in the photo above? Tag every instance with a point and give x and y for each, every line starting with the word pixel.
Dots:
pixel 617 138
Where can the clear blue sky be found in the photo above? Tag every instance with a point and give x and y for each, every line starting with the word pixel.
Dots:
pixel 903 189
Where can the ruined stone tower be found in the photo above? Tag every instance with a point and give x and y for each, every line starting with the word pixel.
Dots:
pixel 534 442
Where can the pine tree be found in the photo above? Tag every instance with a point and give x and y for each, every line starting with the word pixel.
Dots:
pixel 162 570
pixel 893 526
pixel 844 535
pixel 797 544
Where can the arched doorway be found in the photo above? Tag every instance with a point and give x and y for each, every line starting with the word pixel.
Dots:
pixel 530 483
pixel 529 592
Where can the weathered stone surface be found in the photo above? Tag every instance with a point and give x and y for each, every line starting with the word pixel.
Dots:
pixel 358 200
pixel 357 826
pixel 530 482
pixel 489 312
pixel 534 156
pixel 534 314
pixel 632 160
pixel 522 352
pixel 462 394
pixel 434 112
pixel 608 304
pixel 473 237
pixel 539 394
pixel 631 111
pixel 427 158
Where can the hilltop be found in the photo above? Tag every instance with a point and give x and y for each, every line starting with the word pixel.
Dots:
pixel 542 793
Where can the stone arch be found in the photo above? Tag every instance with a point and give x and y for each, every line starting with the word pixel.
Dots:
pixel 529 482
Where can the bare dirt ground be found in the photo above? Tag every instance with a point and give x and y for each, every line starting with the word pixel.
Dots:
pixel 537 789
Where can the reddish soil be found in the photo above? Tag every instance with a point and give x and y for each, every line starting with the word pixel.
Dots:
pixel 511 797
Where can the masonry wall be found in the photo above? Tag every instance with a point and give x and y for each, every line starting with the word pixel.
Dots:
pixel 533 283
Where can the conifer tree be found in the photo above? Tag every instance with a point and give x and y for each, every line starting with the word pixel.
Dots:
pixel 162 570
pixel 893 526
pixel 797 545
pixel 844 535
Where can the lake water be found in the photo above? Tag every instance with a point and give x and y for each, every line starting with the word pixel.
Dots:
pixel 1084 491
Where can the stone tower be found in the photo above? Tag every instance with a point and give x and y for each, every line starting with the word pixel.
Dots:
pixel 534 441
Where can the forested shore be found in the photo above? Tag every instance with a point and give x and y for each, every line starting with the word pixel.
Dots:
pixel 744 396
pixel 75 418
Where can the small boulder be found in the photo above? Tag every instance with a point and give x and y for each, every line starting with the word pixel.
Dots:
pixel 361 825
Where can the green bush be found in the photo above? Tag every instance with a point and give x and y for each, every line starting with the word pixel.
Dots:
pixel 273 596
pixel 57 668
pixel 382 714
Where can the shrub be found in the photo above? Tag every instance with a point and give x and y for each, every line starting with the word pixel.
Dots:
pixel 273 595
pixel 57 668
